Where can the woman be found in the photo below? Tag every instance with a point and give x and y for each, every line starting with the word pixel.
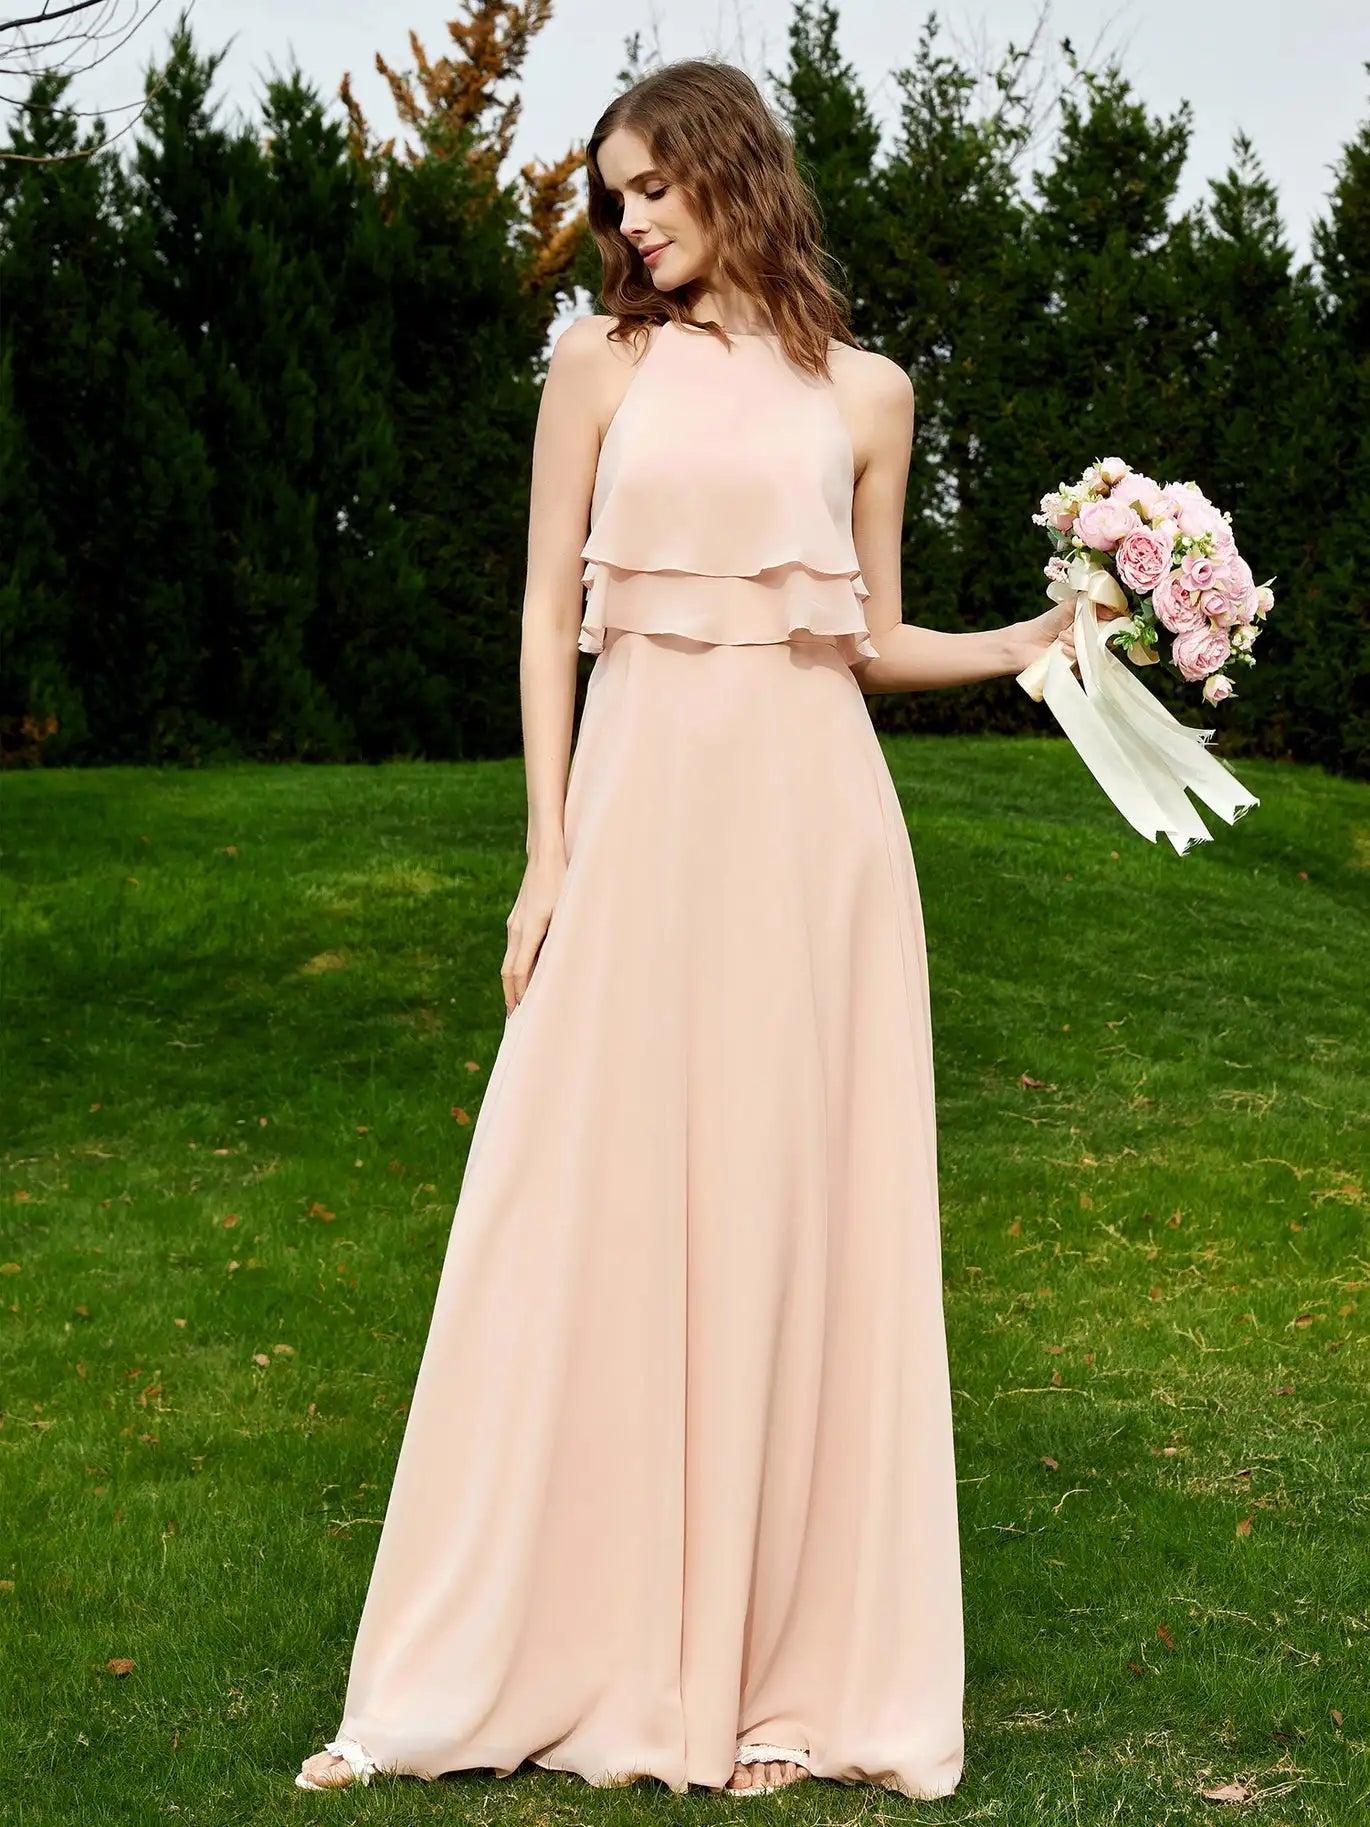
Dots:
pixel 676 1496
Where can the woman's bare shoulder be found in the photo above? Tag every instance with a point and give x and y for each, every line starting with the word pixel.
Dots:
pixel 873 374
pixel 588 341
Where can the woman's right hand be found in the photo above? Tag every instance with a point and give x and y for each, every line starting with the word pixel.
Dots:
pixel 527 925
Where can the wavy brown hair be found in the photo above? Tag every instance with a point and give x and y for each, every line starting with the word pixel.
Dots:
pixel 713 136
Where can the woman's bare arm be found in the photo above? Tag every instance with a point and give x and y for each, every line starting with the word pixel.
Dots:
pixel 879 398
pixel 565 451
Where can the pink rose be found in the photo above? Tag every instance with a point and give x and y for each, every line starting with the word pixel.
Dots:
pixel 1196 519
pixel 1193 511
pixel 1200 651
pixel 1218 686
pixel 1175 606
pixel 1139 492
pixel 1216 606
pixel 1199 573
pixel 1234 578
pixel 1101 524
pixel 1142 559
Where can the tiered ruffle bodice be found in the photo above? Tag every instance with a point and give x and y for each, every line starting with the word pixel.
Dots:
pixel 722 506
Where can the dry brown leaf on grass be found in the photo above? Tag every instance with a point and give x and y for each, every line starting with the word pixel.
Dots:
pixel 119 1665
pixel 1229 1792
pixel 1244 1526
pixel 1165 1636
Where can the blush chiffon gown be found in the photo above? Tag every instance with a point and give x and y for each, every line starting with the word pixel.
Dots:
pixel 677 1474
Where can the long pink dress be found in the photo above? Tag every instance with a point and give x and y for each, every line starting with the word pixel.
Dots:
pixel 677 1471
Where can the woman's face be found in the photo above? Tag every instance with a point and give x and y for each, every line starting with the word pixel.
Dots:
pixel 655 214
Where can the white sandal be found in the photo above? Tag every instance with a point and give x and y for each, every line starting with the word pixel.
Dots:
pixel 357 1758
pixel 769 1754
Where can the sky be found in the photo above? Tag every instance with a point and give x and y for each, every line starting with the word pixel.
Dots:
pixel 1293 77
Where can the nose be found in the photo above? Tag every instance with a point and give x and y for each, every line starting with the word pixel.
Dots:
pixel 635 227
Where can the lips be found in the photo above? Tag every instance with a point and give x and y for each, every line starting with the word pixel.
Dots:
pixel 648 252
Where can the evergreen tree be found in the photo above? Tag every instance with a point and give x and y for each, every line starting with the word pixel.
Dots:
pixel 230 268
pixel 1258 376
pixel 1327 710
pixel 1116 340
pixel 472 287
pixel 836 141
pixel 950 287
pixel 105 491
pixel 1115 346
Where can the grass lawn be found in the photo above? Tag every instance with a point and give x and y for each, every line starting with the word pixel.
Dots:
pixel 250 1014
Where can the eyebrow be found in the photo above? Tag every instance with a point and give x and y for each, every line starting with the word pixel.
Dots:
pixel 641 178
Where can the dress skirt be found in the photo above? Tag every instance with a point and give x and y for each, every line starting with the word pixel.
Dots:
pixel 677 1471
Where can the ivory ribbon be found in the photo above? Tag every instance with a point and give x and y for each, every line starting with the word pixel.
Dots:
pixel 1139 754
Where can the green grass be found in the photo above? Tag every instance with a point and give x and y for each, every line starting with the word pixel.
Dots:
pixel 249 1016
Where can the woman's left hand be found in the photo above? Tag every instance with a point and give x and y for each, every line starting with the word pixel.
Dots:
pixel 1056 623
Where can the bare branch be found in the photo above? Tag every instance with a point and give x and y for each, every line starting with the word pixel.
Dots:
pixel 97 28
pixel 46 17
pixel 85 152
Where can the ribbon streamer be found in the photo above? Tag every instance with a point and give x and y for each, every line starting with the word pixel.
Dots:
pixel 1141 756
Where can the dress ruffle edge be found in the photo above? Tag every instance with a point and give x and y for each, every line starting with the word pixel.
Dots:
pixel 770 604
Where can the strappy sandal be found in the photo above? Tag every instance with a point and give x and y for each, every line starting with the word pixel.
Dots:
pixel 769 1754
pixel 359 1762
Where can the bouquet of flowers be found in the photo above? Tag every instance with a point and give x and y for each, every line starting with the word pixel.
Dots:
pixel 1162 558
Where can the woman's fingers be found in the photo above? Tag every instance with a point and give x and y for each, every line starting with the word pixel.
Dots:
pixel 1065 633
